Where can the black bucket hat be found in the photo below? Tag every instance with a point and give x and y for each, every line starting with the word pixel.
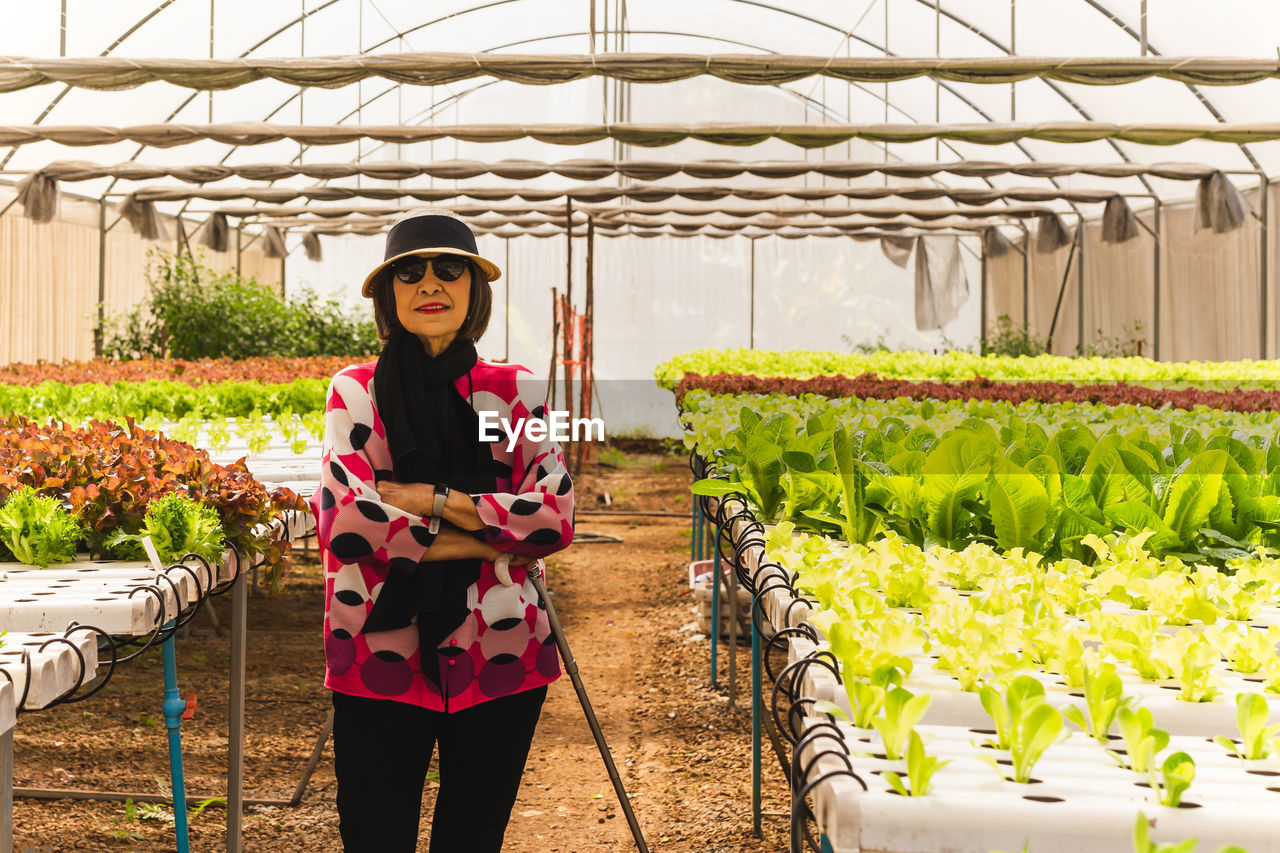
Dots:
pixel 429 233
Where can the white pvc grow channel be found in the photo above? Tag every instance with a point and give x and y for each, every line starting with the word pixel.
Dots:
pixel 1082 800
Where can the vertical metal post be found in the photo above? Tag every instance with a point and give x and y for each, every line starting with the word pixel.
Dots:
pixel 751 319
pixel 1263 237
pixel 283 259
pixel 937 82
pixel 1142 37
pixel 1026 278
pixel 62 51
pixel 567 319
pixel 506 302
pixel 1157 283
pixel 1013 51
pixel 6 790
pixel 1080 289
pixel 212 4
pixel 715 601
pixel 982 295
pixel 756 710
pixel 235 712
pixel 239 235
pixel 100 334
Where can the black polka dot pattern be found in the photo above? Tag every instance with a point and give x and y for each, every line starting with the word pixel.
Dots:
pixel 521 506
pixel 421 535
pixel 338 473
pixel 327 500
pixel 371 510
pixel 543 536
pixel 566 485
pixel 350 546
pixel 359 435
pixel 349 597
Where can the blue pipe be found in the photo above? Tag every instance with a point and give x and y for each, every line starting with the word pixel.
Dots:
pixel 173 707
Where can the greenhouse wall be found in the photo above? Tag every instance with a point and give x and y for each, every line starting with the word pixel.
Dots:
pixel 1210 306
pixel 49 277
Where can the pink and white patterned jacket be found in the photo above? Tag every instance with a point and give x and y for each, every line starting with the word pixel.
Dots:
pixel 505 645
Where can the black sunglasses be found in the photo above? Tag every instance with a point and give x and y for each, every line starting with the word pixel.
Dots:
pixel 446 268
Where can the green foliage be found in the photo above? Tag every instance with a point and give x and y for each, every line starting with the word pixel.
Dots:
pixel 1104 697
pixel 193 311
pixel 902 710
pixel 1009 340
pixel 1007 707
pixel 920 770
pixel 1176 775
pixel 1142 740
pixel 38 530
pixel 177 526
pixel 1257 739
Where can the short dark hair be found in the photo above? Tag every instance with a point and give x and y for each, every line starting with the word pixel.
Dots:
pixel 479 308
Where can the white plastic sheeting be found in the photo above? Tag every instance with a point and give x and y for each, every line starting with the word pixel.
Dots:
pixel 659 296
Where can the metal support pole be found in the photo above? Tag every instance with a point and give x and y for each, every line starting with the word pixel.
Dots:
pixel 1080 289
pixel 235 712
pixel 100 334
pixel 239 245
pixel 1026 278
pixel 571 667
pixel 751 320
pixel 1157 283
pixel 756 710
pixel 715 602
pixel 6 791
pixel 283 259
pixel 982 295
pixel 1142 36
pixel 1263 237
pixel 62 51
pixel 506 303
pixel 1062 290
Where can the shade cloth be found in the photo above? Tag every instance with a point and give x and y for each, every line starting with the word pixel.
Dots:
pixel 643 135
pixel 436 69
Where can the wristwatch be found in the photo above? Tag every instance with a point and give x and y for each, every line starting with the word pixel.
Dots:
pixel 437 508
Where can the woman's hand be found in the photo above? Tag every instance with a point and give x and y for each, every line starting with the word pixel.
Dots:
pixel 414 498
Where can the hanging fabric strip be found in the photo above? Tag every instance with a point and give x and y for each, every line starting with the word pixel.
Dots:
pixel 38 194
pixel 1119 225
pixel 898 249
pixel 216 234
pixel 1220 205
pixel 941 284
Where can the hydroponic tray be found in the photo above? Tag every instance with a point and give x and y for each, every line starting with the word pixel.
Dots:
pixel 45 666
pixel 1082 800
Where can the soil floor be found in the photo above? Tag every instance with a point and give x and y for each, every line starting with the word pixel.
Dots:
pixel 683 752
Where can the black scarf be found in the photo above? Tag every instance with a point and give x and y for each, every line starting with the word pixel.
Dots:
pixel 434 436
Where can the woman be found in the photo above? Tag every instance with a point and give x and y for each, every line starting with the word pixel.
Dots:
pixel 434 635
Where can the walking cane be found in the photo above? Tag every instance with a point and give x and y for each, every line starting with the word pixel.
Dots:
pixel 571 666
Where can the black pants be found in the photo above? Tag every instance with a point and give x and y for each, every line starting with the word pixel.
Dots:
pixel 382 749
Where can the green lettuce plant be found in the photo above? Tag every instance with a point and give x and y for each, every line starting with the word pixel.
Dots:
pixel 920 770
pixel 1257 739
pixel 1007 707
pixel 1142 740
pixel 1176 774
pixel 37 529
pixel 177 526
pixel 1104 698
pixel 902 711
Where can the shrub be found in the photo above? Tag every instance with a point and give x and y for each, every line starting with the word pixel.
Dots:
pixel 193 311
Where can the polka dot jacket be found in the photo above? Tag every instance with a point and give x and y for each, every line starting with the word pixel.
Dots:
pixel 505 645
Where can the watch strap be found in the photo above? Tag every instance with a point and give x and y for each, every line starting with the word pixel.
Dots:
pixel 437 508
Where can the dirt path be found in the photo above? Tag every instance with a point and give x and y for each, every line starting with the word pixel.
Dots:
pixel 683 754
